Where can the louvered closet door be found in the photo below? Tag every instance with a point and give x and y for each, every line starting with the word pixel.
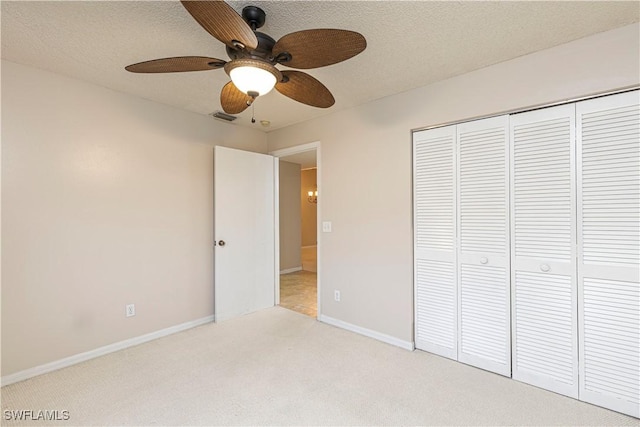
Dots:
pixel 434 240
pixel 483 248
pixel 544 294
pixel 609 251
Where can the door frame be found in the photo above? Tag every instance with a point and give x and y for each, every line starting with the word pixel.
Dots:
pixel 311 146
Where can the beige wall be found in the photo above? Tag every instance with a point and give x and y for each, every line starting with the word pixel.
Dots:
pixel 107 200
pixel 366 165
pixel 309 210
pixel 289 215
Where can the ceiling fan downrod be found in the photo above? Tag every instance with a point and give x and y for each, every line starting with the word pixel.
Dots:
pixel 254 16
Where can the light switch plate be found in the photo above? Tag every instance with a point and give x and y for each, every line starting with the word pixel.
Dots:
pixel 326 226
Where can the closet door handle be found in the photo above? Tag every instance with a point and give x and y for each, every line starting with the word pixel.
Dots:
pixel 545 267
pixel 484 260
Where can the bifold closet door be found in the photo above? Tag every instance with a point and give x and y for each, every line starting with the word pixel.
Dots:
pixel 543 233
pixel 609 251
pixel 434 215
pixel 483 245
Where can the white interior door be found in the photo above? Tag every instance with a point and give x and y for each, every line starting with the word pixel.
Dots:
pixel 609 251
pixel 434 213
pixel 484 331
pixel 244 232
pixel 544 301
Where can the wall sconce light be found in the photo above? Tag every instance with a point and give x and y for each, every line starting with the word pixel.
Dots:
pixel 312 196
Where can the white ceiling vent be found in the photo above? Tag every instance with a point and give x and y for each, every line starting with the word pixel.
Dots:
pixel 223 116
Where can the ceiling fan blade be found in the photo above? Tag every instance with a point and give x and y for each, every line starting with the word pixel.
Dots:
pixel 222 22
pixel 176 65
pixel 318 48
pixel 233 100
pixel 304 88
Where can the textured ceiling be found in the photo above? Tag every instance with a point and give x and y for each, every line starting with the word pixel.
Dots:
pixel 410 44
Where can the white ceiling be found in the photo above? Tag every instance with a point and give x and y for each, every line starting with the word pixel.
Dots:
pixel 306 159
pixel 410 44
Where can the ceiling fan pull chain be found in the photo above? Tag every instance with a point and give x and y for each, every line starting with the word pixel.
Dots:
pixel 253 113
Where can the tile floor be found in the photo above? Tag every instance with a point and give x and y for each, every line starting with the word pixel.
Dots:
pixel 299 290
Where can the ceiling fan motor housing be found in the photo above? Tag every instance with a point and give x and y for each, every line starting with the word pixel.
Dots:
pixel 263 51
pixel 255 17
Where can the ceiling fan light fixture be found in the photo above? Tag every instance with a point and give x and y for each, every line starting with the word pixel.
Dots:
pixel 251 75
pixel 250 79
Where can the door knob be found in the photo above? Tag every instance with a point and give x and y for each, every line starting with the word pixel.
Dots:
pixel 484 260
pixel 545 267
pixel 221 243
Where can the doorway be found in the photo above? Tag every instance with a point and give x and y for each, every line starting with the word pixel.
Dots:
pixel 298 246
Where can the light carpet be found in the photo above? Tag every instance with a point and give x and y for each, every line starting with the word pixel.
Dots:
pixel 278 367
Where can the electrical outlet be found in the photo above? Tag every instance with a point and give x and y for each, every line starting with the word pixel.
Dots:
pixel 130 310
pixel 336 295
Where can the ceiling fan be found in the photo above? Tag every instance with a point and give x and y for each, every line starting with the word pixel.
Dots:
pixel 254 56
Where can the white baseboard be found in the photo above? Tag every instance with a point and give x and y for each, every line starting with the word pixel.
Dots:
pixel 407 345
pixel 101 351
pixel 290 270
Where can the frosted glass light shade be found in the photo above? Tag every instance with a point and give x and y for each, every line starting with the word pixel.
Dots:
pixel 252 79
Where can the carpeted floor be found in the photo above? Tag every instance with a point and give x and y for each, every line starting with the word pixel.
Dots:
pixel 278 367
